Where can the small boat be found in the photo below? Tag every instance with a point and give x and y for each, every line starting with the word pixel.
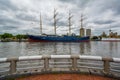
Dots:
pixel 111 39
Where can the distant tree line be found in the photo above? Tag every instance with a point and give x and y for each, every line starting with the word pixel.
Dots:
pixel 9 35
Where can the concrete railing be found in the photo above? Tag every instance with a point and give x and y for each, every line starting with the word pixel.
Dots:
pixel 51 63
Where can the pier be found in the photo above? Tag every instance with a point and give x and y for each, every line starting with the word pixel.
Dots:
pixel 109 67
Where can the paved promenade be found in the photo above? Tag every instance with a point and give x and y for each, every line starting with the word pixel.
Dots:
pixel 65 77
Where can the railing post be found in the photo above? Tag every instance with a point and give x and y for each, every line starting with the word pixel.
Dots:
pixel 107 65
pixel 12 65
pixel 74 63
pixel 46 63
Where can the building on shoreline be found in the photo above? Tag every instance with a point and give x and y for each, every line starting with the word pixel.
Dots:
pixel 110 35
pixel 82 32
pixel 88 32
pixel 113 34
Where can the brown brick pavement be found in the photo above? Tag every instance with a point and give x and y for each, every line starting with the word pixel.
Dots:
pixel 65 77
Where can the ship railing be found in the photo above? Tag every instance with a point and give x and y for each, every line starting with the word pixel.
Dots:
pixel 57 63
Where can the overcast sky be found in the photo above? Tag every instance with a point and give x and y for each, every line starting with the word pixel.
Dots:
pixel 23 16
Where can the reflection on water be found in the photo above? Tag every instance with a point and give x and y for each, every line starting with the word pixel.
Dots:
pixel 113 48
pixel 98 48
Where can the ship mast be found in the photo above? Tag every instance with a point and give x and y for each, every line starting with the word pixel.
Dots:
pixel 40 24
pixel 81 20
pixel 55 20
pixel 70 16
pixel 82 31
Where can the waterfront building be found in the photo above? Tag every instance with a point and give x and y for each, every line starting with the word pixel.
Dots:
pixel 82 32
pixel 113 34
pixel 88 32
pixel 104 34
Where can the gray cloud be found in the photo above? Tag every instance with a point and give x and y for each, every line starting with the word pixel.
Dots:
pixel 104 22
pixel 8 27
pixel 26 17
pixel 18 16
pixel 7 5
pixel 5 21
pixel 80 3
pixel 112 5
pixel 67 1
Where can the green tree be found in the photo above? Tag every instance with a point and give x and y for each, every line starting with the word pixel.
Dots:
pixel 25 37
pixel 19 36
pixel 6 35
pixel 0 36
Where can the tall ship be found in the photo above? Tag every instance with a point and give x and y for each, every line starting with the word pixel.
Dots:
pixel 56 38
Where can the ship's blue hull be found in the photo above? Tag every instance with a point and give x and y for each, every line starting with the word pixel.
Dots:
pixel 46 38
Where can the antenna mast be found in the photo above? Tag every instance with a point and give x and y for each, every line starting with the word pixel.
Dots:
pixel 110 29
pixel 40 24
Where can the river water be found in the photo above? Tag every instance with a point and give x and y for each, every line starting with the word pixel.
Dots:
pixel 95 48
